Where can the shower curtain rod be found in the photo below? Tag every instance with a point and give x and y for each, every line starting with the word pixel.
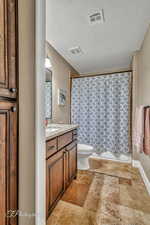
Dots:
pixel 94 75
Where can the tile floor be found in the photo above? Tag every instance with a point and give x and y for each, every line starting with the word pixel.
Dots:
pixel 110 193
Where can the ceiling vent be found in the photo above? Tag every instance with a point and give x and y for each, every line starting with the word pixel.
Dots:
pixel 97 17
pixel 75 50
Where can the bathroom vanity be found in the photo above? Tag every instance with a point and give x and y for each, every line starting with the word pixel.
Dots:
pixel 61 162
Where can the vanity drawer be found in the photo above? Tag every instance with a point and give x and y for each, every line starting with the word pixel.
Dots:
pixel 64 140
pixel 51 147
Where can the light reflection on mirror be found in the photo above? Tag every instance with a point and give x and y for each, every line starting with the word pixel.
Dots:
pixel 48 64
pixel 48 94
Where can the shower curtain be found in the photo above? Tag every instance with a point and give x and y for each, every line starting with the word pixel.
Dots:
pixel 100 105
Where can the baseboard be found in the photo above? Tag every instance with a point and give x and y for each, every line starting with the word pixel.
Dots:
pixel 97 156
pixel 137 164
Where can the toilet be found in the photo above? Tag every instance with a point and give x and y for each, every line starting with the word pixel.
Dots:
pixel 84 152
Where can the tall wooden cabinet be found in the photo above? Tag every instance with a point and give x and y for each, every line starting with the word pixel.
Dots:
pixel 8 112
pixel 8 52
pixel 8 162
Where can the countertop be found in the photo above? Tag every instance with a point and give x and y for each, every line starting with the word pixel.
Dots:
pixel 54 130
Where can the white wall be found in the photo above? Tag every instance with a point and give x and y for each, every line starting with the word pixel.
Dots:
pixel 141 66
pixel 144 88
pixel 61 71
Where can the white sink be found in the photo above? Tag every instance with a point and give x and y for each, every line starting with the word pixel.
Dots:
pixel 52 129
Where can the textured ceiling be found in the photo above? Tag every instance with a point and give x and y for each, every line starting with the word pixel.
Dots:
pixel 105 46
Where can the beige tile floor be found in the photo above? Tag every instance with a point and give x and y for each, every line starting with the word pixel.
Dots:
pixel 109 194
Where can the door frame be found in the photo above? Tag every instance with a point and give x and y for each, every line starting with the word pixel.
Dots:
pixel 40 148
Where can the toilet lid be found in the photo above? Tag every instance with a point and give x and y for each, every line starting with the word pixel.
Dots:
pixel 83 147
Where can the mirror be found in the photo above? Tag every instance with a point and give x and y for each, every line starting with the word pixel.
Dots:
pixel 48 94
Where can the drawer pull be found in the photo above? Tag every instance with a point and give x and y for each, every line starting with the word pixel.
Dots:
pixel 13 109
pixel 13 90
pixel 51 147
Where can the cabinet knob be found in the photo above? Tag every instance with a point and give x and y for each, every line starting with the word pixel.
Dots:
pixel 13 90
pixel 14 109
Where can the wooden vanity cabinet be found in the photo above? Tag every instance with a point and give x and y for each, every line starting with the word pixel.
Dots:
pixel 61 167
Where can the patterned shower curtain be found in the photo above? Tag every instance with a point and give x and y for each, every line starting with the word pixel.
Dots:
pixel 101 107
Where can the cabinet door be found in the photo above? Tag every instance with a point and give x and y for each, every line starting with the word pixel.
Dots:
pixel 8 40
pixel 54 179
pixel 8 163
pixel 72 161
